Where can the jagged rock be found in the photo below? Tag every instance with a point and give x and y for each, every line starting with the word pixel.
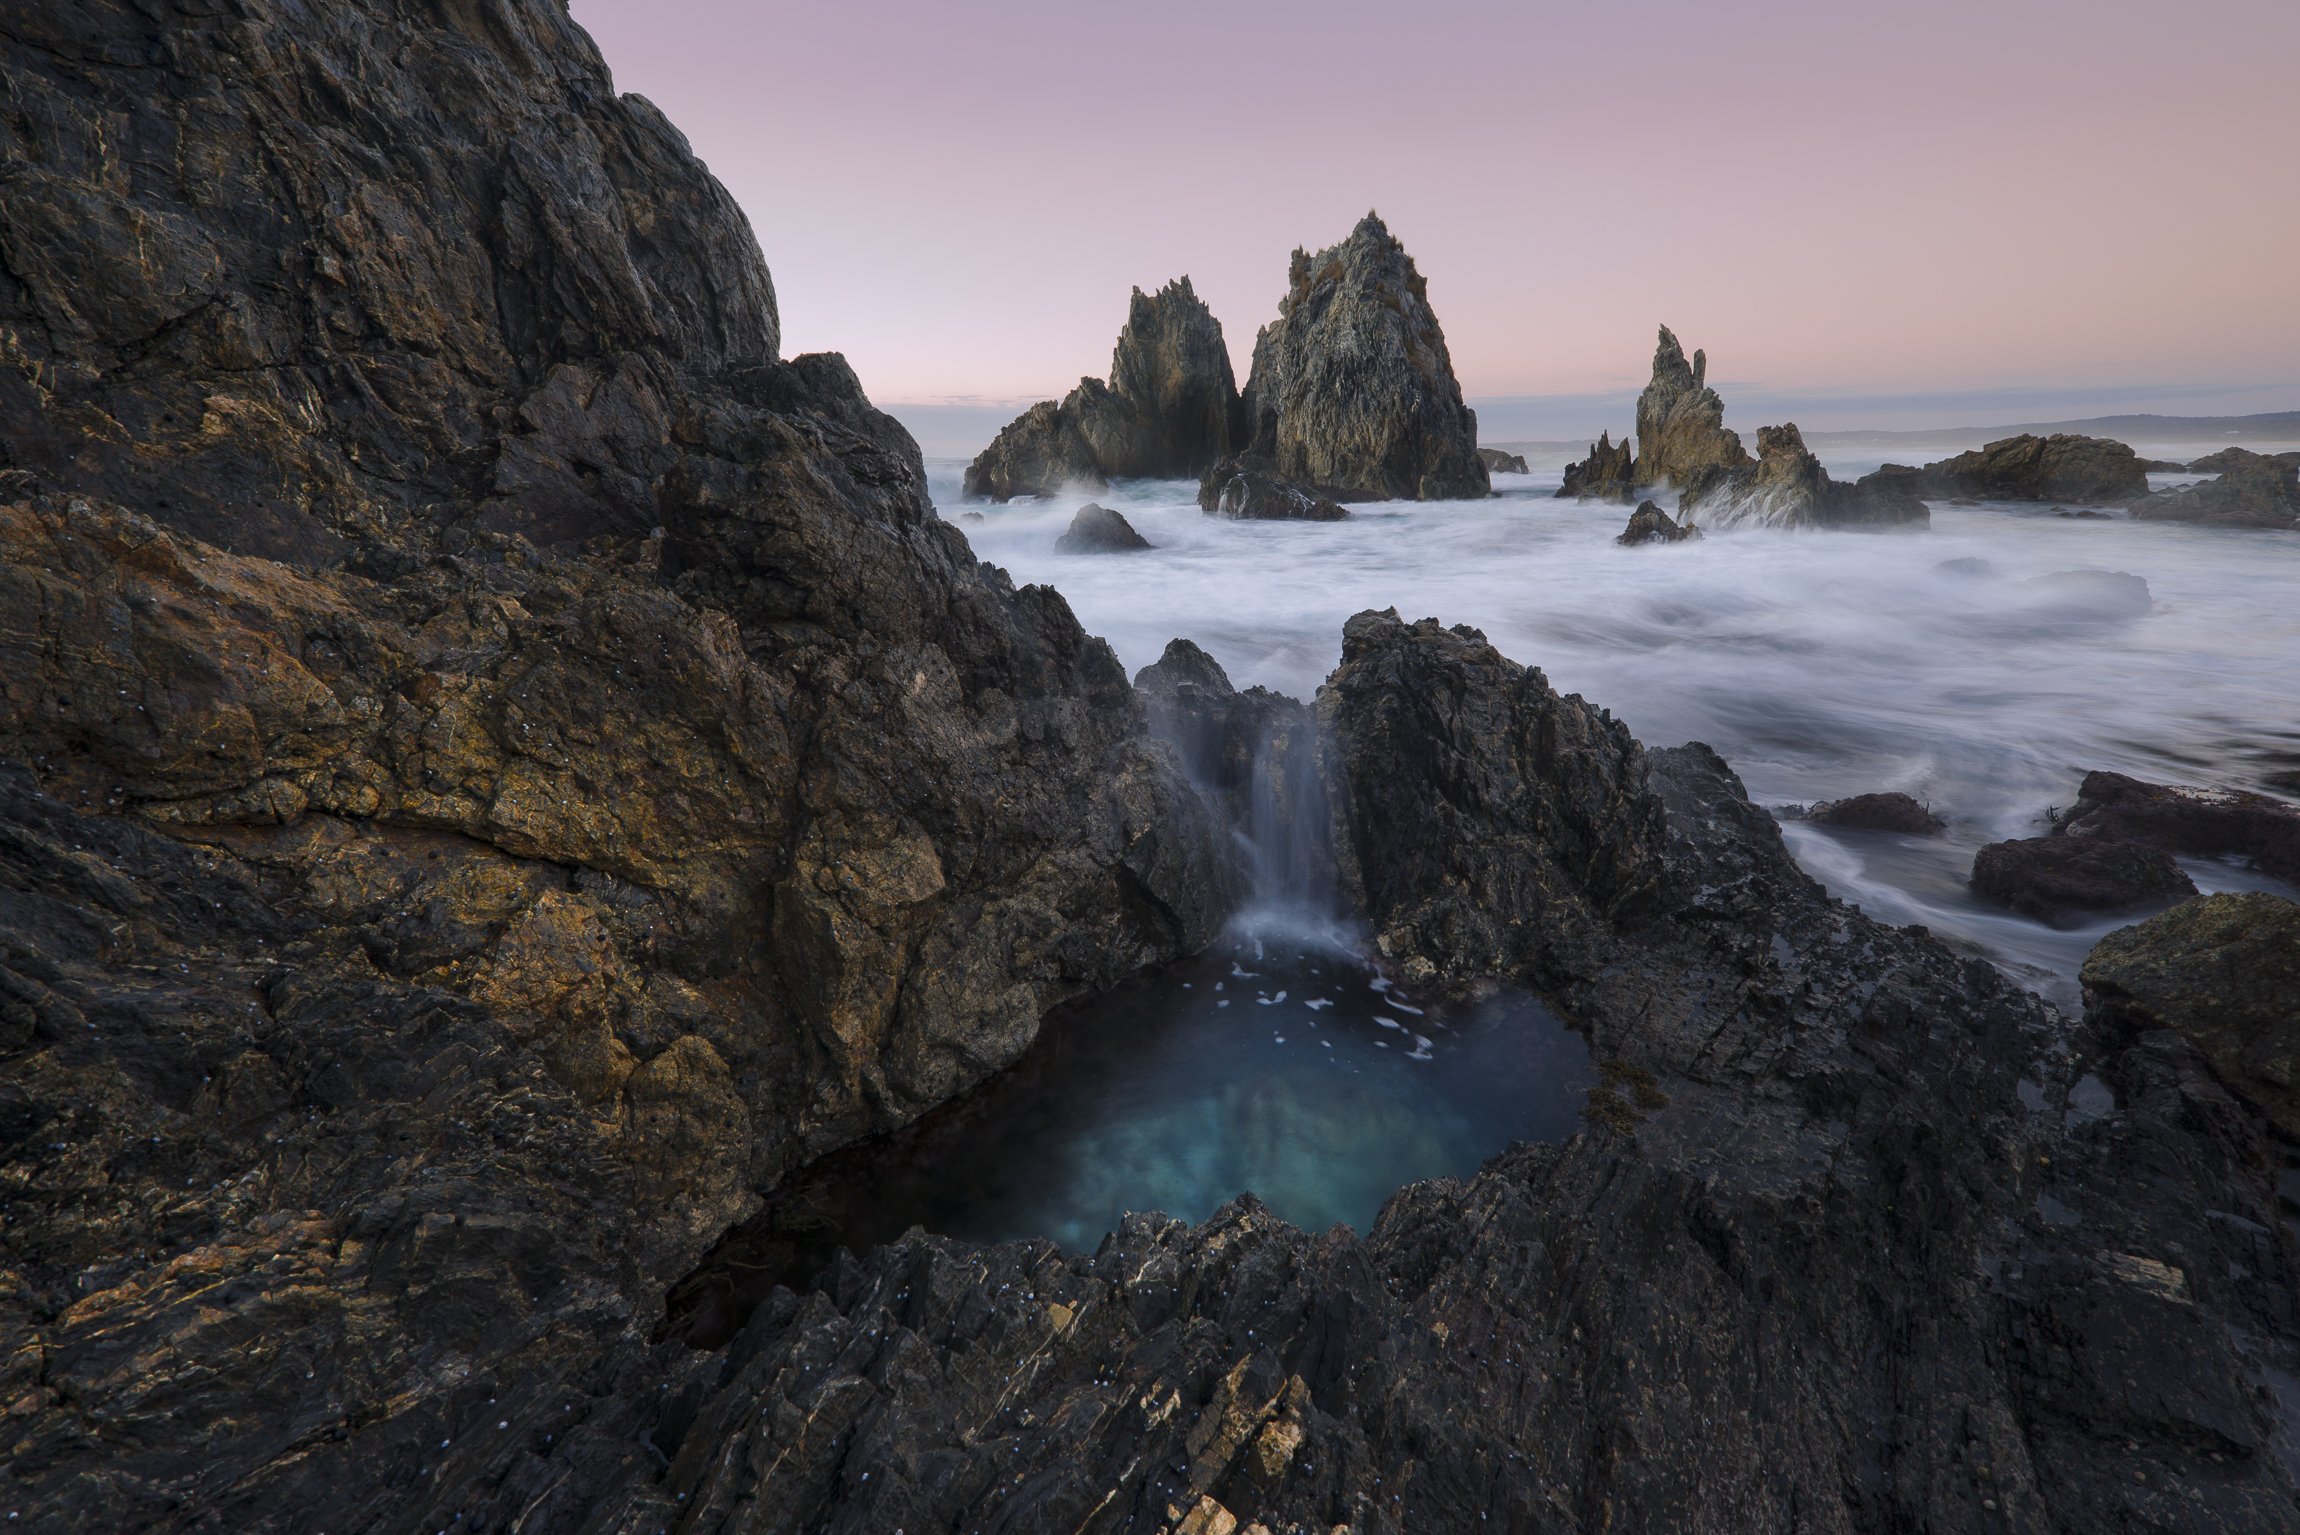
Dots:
pixel 1498 462
pixel 1099 530
pixel 2062 467
pixel 1649 524
pixel 2200 823
pixel 1787 488
pixel 2231 458
pixel 1891 811
pixel 1681 428
pixel 2224 970
pixel 1249 486
pixel 2252 491
pixel 2066 881
pixel 1352 389
pixel 1608 474
pixel 1169 411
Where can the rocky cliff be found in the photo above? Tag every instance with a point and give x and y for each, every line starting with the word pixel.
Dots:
pixel 1169 411
pixel 1353 391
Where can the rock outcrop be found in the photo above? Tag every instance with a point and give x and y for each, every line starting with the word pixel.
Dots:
pixel 2224 970
pixel 1352 390
pixel 1787 488
pixel 1609 473
pixel 2230 458
pixel 2199 823
pixel 1498 462
pixel 2252 491
pixel 1681 431
pixel 1890 812
pixel 1099 530
pixel 1169 411
pixel 1248 485
pixel 2062 467
pixel 1649 524
pixel 2069 881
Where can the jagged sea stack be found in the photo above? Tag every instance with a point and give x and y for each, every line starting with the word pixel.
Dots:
pixel 1353 391
pixel 1168 412
pixel 1680 421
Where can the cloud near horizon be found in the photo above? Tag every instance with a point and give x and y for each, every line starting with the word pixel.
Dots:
pixel 2040 195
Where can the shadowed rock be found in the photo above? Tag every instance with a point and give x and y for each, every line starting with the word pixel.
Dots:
pixel 1042 452
pixel 1681 430
pixel 1498 462
pixel 1892 812
pixel 1608 474
pixel 1649 524
pixel 2067 881
pixel 2062 467
pixel 1249 486
pixel 2252 491
pixel 1099 530
pixel 1787 488
pixel 1352 389
pixel 2200 823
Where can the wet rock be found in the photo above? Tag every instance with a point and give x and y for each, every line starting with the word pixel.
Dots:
pixel 2068 881
pixel 1681 430
pixel 2062 467
pixel 1607 474
pixel 2224 970
pixel 1249 486
pixel 1099 530
pixel 1890 811
pixel 1352 389
pixel 2092 594
pixel 2251 491
pixel 1649 524
pixel 1498 462
pixel 1787 488
pixel 2199 823
pixel 1168 411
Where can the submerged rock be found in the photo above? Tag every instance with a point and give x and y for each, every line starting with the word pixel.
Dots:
pixel 2062 467
pixel 1607 474
pixel 2224 970
pixel 1681 431
pixel 2200 823
pixel 1787 488
pixel 1168 411
pixel 2252 491
pixel 1099 530
pixel 1352 389
pixel 1649 524
pixel 1498 462
pixel 1249 486
pixel 1891 811
pixel 2098 594
pixel 2067 881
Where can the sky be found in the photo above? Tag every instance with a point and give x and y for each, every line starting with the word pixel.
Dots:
pixel 1906 208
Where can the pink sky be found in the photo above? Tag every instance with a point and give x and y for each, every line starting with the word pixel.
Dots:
pixel 1858 196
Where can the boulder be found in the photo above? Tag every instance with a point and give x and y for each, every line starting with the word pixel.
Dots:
pixel 1498 462
pixel 1649 524
pixel 1787 488
pixel 1099 530
pixel 2252 491
pixel 2224 970
pixel 2198 823
pixel 1607 474
pixel 1169 410
pixel 2229 458
pixel 2068 881
pixel 1891 811
pixel 1352 388
pixel 1681 430
pixel 1249 486
pixel 2062 467
pixel 2107 595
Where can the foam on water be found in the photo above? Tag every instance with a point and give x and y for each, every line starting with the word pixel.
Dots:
pixel 1820 664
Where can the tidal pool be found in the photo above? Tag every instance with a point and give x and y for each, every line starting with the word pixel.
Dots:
pixel 1286 1069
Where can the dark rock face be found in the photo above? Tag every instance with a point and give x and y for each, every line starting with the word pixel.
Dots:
pixel 2066 881
pixel 2062 467
pixel 1892 812
pixel 2252 492
pixel 1248 485
pixel 1352 389
pixel 2224 970
pixel 1608 474
pixel 1681 428
pixel 2202 823
pixel 1498 462
pixel 1099 530
pixel 1649 524
pixel 1787 488
pixel 1169 411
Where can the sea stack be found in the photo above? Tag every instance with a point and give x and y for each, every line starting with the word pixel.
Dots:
pixel 1681 429
pixel 1169 410
pixel 1353 392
